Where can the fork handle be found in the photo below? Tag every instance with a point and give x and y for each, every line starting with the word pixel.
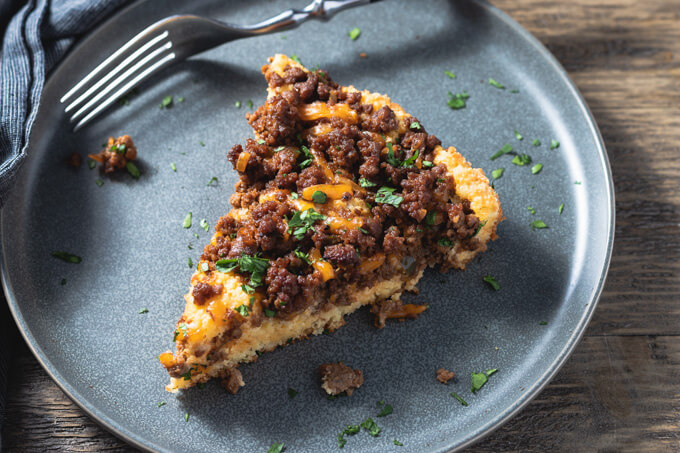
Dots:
pixel 291 18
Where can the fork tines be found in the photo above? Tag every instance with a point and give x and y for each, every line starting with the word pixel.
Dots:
pixel 143 55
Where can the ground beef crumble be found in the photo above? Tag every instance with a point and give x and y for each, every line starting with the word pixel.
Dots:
pixel 444 375
pixel 337 378
pixel 117 153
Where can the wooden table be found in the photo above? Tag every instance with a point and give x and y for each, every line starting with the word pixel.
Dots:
pixel 621 388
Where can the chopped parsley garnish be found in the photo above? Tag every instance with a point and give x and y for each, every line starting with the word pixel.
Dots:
pixel 99 182
pixel 254 265
pixel 543 323
pixel 430 217
pixel 91 164
pixel 458 397
pixel 183 328
pixel 302 221
pixel 133 170
pixel 450 74
pixel 408 163
pixel 237 104
pixel 415 125
pixel 496 84
pixel 187 221
pixel 349 431
pixel 276 448
pixel 279 148
pixel 536 142
pixel 68 257
pixel 309 157
pixel 364 230
pixel 384 195
pixel 497 173
pixel 427 164
pixel 180 99
pixel 302 255
pixel 363 182
pixel 507 148
pixel 458 101
pixel 166 102
pixel 386 410
pixel 492 283
pixel 538 224
pixel 202 143
pixel 292 393
pixel 161 404
pixel 294 195
pixel 518 136
pixel 397 443
pixel 190 263
pixel 212 180
pixel 143 310
pixel 393 161
pixel 269 313
pixel 354 33
pixel 173 166
pixel 205 267
pixel 491 371
pixel 249 103
pixel 296 59
pixel 371 426
pixel 243 310
pixel 578 183
pixel 445 242
pixel 561 208
pixel 531 210
pixel 521 160
pixel 536 168
pixel 186 417
pixel 479 379
pixel 514 91
pixel 261 142
pixel 319 197
pixel 204 224
pixel 554 144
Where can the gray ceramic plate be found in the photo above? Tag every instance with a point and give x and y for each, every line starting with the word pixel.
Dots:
pixel 88 334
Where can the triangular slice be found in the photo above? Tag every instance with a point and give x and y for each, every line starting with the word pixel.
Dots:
pixel 343 200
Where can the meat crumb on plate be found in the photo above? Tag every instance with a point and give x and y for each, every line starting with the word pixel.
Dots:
pixel 117 153
pixel 338 377
pixel 444 375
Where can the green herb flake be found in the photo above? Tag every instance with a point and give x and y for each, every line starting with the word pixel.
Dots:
pixel 261 142
pixel 371 426
pixel 269 313
pixel 276 447
pixel 354 33
pixel 202 143
pixel 133 170
pixel 496 84
pixel 427 164
pixel 521 160
pixel 319 197
pixel 458 397
pixel 536 142
pixel 491 371
pixel 578 183
pixel 296 59
pixel 186 416
pixel 415 125
pixel 302 255
pixel 349 431
pixel 237 104
pixel 536 169
pixel 397 443
pixel 309 157
pixel 91 163
pixel 204 224
pixel 166 102
pixel 391 159
pixel 554 144
pixel 294 196
pixel 190 263
pixel 173 166
pixel 63 281
pixel 408 163
pixel 68 257
pixel 543 323
pixel 478 381
pixel 243 310
pixel 143 310
pixel 292 393
pixel 99 182
pixel 363 182
pixel 518 136
pixel 561 208
pixel 458 101
pixel 249 103
pixel 538 224
pixel 506 149
pixel 386 410
pixel 302 221
pixel 531 210
pixel 212 180
pixel 205 267
pixel 180 99
pixel 254 265
pixel 444 242
pixel 161 404
pixel 492 282
pixel 514 91
pixel 385 195
pixel 497 173
pixel 450 74
pixel 430 217
pixel 187 221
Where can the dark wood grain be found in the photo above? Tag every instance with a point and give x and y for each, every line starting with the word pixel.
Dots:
pixel 620 391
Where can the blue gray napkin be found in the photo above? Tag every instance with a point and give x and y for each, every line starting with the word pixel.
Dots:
pixel 35 35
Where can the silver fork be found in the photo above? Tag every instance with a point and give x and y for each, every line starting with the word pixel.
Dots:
pixel 169 41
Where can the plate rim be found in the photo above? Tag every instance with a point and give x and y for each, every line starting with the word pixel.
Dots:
pixel 483 431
